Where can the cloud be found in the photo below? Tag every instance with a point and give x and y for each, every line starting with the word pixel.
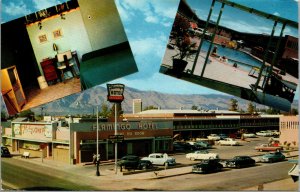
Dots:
pixel 276 13
pixel 245 26
pixel 149 46
pixel 125 15
pixel 167 24
pixel 154 11
pixel 151 19
pixel 15 8
pixel 39 5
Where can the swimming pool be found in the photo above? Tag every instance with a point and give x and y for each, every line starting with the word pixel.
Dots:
pixel 243 60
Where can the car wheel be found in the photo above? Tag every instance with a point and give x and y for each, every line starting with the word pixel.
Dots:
pixel 192 159
pixel 144 167
pixel 271 160
pixel 260 150
pixel 277 150
pixel 238 166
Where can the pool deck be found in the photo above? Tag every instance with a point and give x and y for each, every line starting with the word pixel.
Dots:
pixel 215 70
pixel 219 70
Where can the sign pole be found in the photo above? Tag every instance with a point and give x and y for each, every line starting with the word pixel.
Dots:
pixel 116 143
pixel 115 95
pixel 97 143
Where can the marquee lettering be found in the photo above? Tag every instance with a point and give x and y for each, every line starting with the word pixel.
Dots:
pixel 124 126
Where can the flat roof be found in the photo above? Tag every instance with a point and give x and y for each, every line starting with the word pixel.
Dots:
pixel 185 111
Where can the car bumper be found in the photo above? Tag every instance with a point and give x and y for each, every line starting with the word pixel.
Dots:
pixel 265 160
pixel 230 165
pixel 171 162
pixel 197 170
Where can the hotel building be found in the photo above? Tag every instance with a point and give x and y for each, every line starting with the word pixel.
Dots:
pixel 144 133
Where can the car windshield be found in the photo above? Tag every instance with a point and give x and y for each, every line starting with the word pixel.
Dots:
pixel 202 152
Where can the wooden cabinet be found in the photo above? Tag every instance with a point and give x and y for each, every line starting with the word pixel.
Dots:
pixel 12 90
pixel 49 69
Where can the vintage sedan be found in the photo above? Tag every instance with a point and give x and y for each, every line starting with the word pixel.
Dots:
pixel 264 133
pixel 201 154
pixel 5 152
pixel 200 144
pixel 228 141
pixel 134 162
pixel 268 147
pixel 272 157
pixel 223 136
pixel 160 159
pixel 238 162
pixel 249 135
pixel 214 137
pixel 207 166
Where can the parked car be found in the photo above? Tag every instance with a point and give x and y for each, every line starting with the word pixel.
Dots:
pixel 144 164
pixel 268 147
pixel 160 159
pixel 214 137
pixel 134 162
pixel 239 161
pixel 203 154
pixel 183 146
pixel 249 135
pixel 272 157
pixel 200 144
pixel 178 147
pixel 5 152
pixel 207 166
pixel 228 141
pixel 274 132
pixel 264 133
pixel 223 136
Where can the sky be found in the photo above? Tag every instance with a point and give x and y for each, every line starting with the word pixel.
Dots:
pixel 148 24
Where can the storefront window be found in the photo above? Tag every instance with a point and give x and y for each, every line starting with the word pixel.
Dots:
pixel 30 145
pixel 7 141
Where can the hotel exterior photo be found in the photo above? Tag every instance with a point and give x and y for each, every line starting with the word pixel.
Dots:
pixel 74 140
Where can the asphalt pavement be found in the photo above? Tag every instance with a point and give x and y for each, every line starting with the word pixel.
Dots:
pixel 108 173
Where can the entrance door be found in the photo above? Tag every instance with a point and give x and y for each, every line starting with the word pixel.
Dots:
pixel 129 148
pixel 50 149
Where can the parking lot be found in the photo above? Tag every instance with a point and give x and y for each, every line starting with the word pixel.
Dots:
pixel 246 148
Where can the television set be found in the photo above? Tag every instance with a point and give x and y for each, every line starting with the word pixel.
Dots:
pixel 12 76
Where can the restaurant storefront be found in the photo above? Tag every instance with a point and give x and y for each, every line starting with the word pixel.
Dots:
pixel 140 138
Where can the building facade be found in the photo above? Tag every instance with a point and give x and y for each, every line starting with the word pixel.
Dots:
pixel 143 133
pixel 136 106
pixel 289 130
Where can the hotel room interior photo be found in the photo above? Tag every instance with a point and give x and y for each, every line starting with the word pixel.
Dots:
pixel 62 50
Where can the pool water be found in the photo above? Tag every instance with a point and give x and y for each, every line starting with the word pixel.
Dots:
pixel 243 60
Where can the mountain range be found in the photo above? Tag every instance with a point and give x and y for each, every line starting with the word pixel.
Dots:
pixel 86 101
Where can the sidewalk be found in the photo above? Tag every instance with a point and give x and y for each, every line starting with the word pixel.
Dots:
pixel 281 185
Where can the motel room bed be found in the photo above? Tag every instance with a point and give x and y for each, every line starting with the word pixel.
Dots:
pixel 103 65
